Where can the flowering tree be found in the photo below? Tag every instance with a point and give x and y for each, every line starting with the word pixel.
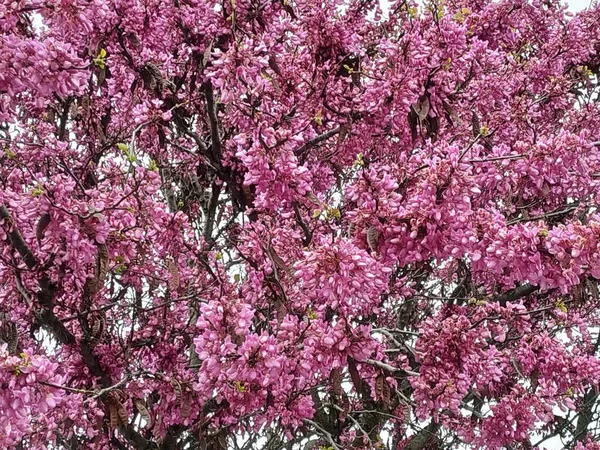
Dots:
pixel 264 224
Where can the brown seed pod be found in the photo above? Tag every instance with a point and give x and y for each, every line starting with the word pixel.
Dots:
pixel 174 272
pixel 373 239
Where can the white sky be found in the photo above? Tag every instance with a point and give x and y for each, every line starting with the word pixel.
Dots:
pixel 578 5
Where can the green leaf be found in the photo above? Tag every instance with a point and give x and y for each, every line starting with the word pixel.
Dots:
pixel 100 60
pixel 123 147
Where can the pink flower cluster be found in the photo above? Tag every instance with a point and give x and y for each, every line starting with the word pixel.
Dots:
pixel 28 397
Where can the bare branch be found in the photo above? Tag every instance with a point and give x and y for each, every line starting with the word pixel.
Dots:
pixel 300 151
pixel 544 216
pixel 326 433
pixel 108 389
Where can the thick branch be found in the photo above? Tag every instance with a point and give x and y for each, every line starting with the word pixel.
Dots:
pixel 62 128
pixel 515 294
pixel 45 297
pixel 16 240
pixel 47 319
pixel 45 316
pixel 214 122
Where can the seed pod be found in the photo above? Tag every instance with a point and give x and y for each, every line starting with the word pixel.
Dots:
pixel 185 405
pixel 379 383
pixel 273 65
pixel 475 124
pixel 98 326
pixel 354 375
pixel 350 229
pixel 113 415
pixel 144 413
pixel 373 239
pixel 10 335
pixel 177 389
pixel 345 405
pixel 122 412
pixel 406 411
pixel 174 272
pixel 336 381
pixel 102 264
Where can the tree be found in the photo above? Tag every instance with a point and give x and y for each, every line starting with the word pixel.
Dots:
pixel 293 224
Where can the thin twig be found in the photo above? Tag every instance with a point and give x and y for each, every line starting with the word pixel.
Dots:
pixel 362 430
pixel 106 390
pixel 543 216
pixel 66 388
pixel 390 368
pixel 315 141
pixel 325 432
pixel 388 331
pixel 464 152
pixel 497 158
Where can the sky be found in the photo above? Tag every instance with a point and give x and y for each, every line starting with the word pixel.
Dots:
pixel 578 5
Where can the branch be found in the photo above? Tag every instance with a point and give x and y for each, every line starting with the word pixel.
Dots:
pixel 117 443
pixel 63 119
pixel 210 214
pixel 199 142
pixel 497 158
pixel 168 192
pixel 66 388
pixel 45 316
pixel 464 152
pixel 356 423
pixel 544 216
pixel 135 438
pixel 389 331
pixel 21 289
pixel 300 152
pixel 16 240
pixel 87 311
pixel 325 432
pixel 389 368
pixel 307 233
pixel 515 294
pixel 214 122
pixel 106 390
pixel 93 364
